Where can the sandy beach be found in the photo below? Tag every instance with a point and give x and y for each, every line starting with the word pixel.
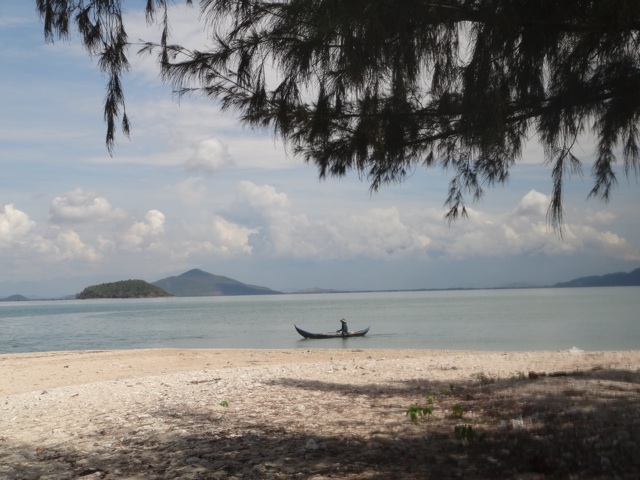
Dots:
pixel 319 414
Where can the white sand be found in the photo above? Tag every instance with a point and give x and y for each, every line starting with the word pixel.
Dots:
pixel 93 400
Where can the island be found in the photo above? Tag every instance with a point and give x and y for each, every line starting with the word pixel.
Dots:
pixel 123 289
pixel 14 298
pixel 198 283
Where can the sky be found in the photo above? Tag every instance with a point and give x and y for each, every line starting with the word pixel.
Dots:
pixel 193 188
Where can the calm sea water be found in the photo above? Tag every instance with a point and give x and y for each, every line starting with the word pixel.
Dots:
pixel 532 319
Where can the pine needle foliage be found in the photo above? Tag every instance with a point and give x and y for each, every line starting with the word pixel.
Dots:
pixel 382 87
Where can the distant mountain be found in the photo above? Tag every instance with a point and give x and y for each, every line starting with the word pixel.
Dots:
pixel 197 283
pixel 14 298
pixel 619 279
pixel 123 289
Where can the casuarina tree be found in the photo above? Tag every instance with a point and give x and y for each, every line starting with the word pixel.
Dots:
pixel 385 86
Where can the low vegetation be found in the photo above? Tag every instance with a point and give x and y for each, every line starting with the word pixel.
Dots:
pixel 465 433
pixel 123 289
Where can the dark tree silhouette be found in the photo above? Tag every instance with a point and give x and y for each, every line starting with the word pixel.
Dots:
pixel 383 86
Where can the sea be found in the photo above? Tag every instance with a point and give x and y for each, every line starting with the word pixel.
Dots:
pixel 588 319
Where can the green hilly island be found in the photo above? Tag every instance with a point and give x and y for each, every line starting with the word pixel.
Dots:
pixel 194 283
pixel 123 289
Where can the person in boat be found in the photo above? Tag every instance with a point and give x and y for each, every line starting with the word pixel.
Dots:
pixel 344 329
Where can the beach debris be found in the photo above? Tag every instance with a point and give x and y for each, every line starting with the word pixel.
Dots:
pixel 298 421
pixel 517 423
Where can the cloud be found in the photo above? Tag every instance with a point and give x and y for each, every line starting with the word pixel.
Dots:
pixel 29 243
pixel 27 240
pixel 231 236
pixel 69 246
pixel 80 206
pixel 145 231
pixel 391 233
pixel 587 238
pixel 262 197
pixel 600 217
pixel 219 238
pixel 525 231
pixel 284 233
pixel 15 225
pixel 210 156
pixel 264 223
pixel 533 204
pixel 191 191
pixel 380 233
pixel 167 133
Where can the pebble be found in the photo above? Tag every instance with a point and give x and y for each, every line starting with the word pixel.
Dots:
pixel 281 425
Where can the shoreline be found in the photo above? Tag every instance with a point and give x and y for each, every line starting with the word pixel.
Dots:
pixel 24 372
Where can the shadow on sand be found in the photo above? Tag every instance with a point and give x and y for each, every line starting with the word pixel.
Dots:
pixel 573 425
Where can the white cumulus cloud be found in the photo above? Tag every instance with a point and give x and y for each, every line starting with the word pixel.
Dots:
pixel 533 204
pixel 69 246
pixel 326 235
pixel 15 225
pixel 80 206
pixel 219 237
pixel 262 197
pixel 210 156
pixel 525 231
pixel 230 236
pixel 147 230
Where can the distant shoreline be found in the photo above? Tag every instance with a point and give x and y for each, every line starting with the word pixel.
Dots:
pixel 323 292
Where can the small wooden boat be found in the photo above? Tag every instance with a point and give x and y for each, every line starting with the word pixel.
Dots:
pixel 305 334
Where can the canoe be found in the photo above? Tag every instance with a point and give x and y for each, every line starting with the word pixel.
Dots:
pixel 305 334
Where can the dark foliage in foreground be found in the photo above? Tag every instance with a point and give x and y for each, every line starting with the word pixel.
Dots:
pixel 382 87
